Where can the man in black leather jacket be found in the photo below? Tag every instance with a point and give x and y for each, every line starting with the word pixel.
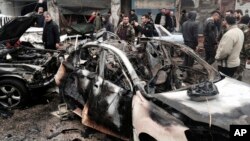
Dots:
pixel 210 37
pixel 147 27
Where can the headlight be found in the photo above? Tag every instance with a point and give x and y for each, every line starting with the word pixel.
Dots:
pixel 28 77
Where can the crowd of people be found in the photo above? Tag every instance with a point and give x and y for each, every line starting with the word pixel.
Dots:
pixel 226 40
pixel 128 27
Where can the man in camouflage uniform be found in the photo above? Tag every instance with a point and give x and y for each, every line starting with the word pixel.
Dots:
pixel 126 31
pixel 245 52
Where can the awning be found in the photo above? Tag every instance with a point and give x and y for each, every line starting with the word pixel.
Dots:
pixel 83 7
pixel 80 11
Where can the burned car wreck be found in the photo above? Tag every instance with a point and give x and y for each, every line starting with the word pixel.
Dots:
pixel 141 93
pixel 22 67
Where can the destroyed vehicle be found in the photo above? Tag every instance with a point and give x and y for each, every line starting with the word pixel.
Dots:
pixel 164 34
pixel 23 68
pixel 146 93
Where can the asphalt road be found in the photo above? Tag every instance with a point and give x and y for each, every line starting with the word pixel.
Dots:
pixel 35 122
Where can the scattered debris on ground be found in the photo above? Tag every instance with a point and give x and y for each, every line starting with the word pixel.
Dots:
pixel 35 122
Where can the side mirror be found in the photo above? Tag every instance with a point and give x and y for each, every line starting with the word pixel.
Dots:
pixel 203 91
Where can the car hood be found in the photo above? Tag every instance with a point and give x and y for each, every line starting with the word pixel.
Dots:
pixel 19 68
pixel 177 38
pixel 13 30
pixel 230 107
pixel 177 34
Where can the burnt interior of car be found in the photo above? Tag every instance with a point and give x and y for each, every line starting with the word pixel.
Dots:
pixel 162 68
pixel 159 66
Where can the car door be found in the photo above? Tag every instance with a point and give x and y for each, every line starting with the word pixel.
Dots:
pixel 108 107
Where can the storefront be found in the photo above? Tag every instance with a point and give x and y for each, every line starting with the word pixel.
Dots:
pixel 144 6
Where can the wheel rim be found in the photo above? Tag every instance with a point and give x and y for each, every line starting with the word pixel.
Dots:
pixel 10 96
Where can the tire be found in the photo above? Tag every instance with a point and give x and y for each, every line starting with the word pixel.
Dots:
pixel 13 93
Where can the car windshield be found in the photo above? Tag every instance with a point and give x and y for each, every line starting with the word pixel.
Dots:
pixel 158 63
pixel 162 67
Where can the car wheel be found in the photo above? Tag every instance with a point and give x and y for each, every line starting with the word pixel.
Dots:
pixel 12 93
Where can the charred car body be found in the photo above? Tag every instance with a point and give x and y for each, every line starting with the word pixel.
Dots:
pixel 143 93
pixel 23 68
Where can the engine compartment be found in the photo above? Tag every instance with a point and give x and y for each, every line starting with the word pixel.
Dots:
pixel 25 55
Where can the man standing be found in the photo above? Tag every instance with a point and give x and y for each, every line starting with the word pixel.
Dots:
pixel 40 17
pixel 92 17
pixel 51 35
pixel 223 24
pixel 183 18
pixel 238 14
pixel 126 31
pixel 107 23
pixel 228 52
pixel 98 22
pixel 210 37
pixel 161 18
pixel 133 17
pixel 190 35
pixel 245 52
pixel 170 21
pixel 147 28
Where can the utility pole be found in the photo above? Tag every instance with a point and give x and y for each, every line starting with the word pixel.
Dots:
pixel 54 11
pixel 115 11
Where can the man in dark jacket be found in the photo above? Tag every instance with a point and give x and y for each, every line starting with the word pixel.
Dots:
pixel 183 18
pixel 133 17
pixel 40 17
pixel 107 24
pixel 147 28
pixel 170 21
pixel 210 37
pixel 51 37
pixel 161 18
pixel 190 35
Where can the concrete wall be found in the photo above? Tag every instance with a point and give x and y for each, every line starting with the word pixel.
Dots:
pixel 10 8
pixel 243 6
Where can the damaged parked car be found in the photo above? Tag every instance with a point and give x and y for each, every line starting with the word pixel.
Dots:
pixel 22 67
pixel 145 93
pixel 164 34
